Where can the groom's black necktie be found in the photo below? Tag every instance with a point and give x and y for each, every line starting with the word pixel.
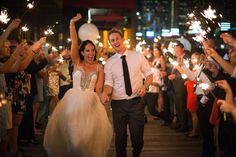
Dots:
pixel 128 88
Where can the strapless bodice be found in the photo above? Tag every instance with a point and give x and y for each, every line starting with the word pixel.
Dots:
pixel 84 81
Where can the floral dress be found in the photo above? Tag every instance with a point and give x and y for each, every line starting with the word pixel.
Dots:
pixel 19 90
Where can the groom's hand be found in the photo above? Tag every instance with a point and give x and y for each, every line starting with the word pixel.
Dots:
pixel 104 98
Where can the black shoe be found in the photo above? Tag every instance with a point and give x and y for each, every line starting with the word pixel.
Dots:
pixel 34 142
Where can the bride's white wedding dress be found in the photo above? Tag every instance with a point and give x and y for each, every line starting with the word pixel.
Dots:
pixel 79 125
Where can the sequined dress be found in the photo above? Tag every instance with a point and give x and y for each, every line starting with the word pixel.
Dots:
pixel 79 125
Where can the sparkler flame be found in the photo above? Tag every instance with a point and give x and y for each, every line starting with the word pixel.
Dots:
pixel 30 5
pixel 209 13
pixel 25 28
pixel 184 76
pixel 204 86
pixel 4 17
pixel 60 60
pixel 54 48
pixel 48 32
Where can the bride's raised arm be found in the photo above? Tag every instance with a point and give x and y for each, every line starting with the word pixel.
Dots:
pixel 74 39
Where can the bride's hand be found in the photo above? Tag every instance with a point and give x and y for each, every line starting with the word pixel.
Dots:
pixel 104 98
pixel 76 18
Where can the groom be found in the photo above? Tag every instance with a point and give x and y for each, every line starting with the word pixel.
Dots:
pixel 124 73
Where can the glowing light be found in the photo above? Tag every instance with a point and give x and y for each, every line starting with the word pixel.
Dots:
pixel 30 5
pixel 48 32
pixel 25 28
pixel 60 60
pixel 100 44
pixel 184 76
pixel 198 38
pixel 126 42
pixel 4 17
pixel 47 45
pixel 54 48
pixel 149 56
pixel 60 47
pixel 68 40
pixel 101 59
pixel 204 86
pixel 209 13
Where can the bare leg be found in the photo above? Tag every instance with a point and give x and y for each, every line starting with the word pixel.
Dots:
pixel 195 124
pixel 13 133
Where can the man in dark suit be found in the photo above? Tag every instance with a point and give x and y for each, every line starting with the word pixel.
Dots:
pixel 180 93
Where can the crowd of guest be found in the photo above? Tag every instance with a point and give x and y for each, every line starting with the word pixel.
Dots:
pixel 201 84
pixel 193 91
pixel 30 87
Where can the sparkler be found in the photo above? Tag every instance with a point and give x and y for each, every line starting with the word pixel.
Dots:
pixel 184 76
pixel 4 17
pixel 199 22
pixel 24 28
pixel 209 14
pixel 30 5
pixel 48 32
pixel 60 60
pixel 54 48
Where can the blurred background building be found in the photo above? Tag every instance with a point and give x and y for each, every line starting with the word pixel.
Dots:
pixel 139 19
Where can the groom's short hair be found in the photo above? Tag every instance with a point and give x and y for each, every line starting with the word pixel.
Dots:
pixel 115 30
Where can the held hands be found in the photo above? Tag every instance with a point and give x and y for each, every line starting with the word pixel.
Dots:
pixel 104 98
pixel 76 18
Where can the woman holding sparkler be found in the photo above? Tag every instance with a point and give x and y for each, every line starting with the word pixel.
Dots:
pixel 79 125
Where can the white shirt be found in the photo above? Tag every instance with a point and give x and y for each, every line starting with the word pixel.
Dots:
pixel 137 65
pixel 156 79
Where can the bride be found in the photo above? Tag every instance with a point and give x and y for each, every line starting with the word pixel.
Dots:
pixel 79 126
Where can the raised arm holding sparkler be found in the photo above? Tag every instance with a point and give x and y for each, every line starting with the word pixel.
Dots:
pixel 30 52
pixel 12 26
pixel 230 69
pixel 227 105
